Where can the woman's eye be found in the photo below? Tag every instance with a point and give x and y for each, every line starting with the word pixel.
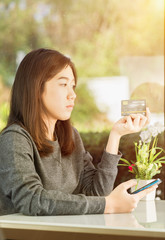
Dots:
pixel 63 84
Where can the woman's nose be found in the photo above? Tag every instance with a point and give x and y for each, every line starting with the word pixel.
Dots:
pixel 71 94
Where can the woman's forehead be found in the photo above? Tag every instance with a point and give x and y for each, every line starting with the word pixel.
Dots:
pixel 66 72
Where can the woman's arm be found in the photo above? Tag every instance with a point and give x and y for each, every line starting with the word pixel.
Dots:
pixel 21 184
pixel 95 181
pixel 99 181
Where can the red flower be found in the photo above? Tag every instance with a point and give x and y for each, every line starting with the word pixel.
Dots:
pixel 131 167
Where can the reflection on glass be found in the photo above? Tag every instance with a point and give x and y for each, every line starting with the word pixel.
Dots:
pixel 122 220
pixel 147 213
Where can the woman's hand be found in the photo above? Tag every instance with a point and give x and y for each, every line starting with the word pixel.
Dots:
pixel 126 125
pixel 131 124
pixel 120 201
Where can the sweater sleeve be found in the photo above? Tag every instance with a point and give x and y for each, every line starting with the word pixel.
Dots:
pixel 97 181
pixel 21 184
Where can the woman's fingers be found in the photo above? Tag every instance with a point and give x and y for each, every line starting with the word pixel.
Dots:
pixel 148 115
pixel 140 121
pixel 129 123
pixel 143 193
pixel 132 123
pixel 143 122
pixel 137 122
pixel 128 184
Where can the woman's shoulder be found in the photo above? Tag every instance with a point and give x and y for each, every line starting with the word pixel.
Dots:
pixel 14 130
pixel 75 133
pixel 76 136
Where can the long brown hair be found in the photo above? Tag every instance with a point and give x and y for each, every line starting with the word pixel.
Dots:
pixel 36 68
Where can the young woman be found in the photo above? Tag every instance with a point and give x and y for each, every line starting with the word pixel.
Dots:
pixel 44 168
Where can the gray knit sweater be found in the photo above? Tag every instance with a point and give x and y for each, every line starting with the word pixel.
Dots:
pixel 53 185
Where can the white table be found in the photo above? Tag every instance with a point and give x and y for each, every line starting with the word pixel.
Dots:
pixel 148 220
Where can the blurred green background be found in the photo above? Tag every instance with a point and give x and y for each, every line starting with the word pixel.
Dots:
pixel 95 34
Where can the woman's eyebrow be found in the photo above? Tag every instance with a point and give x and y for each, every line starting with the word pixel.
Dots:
pixel 66 78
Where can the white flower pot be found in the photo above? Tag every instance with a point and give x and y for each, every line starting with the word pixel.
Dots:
pixel 141 183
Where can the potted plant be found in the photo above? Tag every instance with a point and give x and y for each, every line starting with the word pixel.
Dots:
pixel 148 161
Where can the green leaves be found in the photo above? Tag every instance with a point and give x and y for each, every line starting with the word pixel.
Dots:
pixel 148 160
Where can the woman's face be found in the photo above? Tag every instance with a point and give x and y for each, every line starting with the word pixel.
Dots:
pixel 59 96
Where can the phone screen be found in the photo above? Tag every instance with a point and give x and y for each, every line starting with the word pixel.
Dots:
pixel 157 181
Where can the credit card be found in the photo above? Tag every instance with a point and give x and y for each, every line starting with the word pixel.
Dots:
pixel 133 106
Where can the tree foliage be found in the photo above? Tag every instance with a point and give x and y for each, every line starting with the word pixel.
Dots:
pixel 95 33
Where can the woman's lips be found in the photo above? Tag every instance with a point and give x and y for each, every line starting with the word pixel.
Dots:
pixel 70 106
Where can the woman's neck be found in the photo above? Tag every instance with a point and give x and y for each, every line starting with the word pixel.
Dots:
pixel 50 124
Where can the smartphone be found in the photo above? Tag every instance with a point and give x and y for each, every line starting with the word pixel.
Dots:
pixel 157 181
